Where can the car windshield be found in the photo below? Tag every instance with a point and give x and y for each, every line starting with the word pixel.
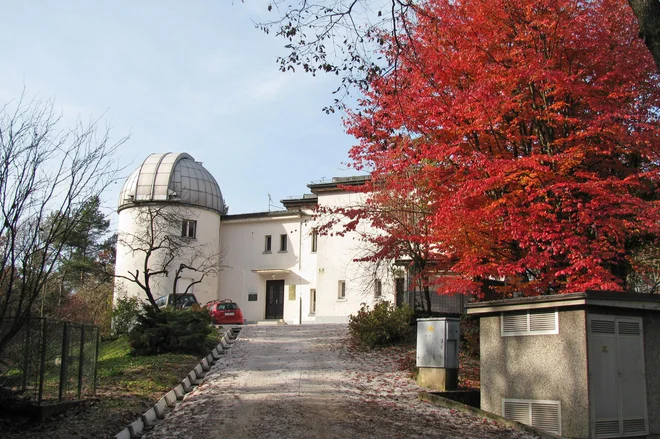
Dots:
pixel 226 306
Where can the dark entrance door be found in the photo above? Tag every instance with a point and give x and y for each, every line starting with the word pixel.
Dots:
pixel 400 288
pixel 274 299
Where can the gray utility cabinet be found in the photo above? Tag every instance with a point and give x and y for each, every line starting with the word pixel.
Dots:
pixel 438 342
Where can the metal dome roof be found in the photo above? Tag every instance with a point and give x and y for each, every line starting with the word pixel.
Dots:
pixel 173 177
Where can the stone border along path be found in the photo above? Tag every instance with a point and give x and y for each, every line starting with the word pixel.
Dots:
pixel 306 382
pixel 169 401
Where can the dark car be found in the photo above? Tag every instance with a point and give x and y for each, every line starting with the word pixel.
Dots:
pixel 177 300
pixel 225 312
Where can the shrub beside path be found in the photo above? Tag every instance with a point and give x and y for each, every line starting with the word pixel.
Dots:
pixel 305 382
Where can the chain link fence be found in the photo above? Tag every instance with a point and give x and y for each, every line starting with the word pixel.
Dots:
pixel 49 362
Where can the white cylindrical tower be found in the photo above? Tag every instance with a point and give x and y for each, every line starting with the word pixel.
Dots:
pixel 169 226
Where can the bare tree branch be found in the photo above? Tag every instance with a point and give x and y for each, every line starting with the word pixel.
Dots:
pixel 47 174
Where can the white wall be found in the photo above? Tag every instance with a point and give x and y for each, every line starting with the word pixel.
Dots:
pixel 207 238
pixel 335 262
pixel 244 241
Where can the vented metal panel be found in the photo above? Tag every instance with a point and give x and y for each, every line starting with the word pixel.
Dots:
pixel 517 411
pixel 602 326
pixel 514 323
pixel 629 328
pixel 632 383
pixel 634 427
pixel 617 376
pixel 544 415
pixel 542 321
pixel 607 428
pixel 530 323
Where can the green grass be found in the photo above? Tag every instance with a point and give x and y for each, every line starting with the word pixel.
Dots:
pixel 140 376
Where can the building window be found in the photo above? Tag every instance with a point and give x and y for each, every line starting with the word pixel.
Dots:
pixel 267 246
pixel 283 242
pixel 341 290
pixel 312 301
pixel 189 229
pixel 378 288
pixel 315 240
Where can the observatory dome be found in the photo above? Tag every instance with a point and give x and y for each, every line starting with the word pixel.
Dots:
pixel 172 177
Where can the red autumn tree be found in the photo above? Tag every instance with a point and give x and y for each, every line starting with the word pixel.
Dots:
pixel 531 129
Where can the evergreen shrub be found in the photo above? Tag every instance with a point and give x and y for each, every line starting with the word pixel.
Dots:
pixel 384 324
pixel 180 331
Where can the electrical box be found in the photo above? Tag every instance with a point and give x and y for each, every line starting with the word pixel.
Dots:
pixel 438 342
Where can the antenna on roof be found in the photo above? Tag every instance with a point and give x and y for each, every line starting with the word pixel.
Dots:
pixel 271 204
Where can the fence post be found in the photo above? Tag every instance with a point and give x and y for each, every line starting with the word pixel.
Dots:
pixel 96 358
pixel 42 365
pixel 26 355
pixel 65 354
pixel 81 361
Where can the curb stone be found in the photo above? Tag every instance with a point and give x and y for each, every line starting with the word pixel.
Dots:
pixel 180 393
pixel 187 385
pixel 135 429
pixel 170 399
pixel 150 417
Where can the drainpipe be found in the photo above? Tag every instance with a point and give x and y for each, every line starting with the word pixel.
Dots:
pixel 300 233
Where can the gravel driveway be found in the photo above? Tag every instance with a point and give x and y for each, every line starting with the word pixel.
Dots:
pixel 303 382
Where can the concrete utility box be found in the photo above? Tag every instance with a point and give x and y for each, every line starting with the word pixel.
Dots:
pixel 437 352
pixel 577 365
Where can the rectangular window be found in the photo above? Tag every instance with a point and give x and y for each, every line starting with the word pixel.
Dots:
pixel 312 301
pixel 378 288
pixel 268 243
pixel 283 242
pixel 315 240
pixel 341 290
pixel 530 323
pixel 189 229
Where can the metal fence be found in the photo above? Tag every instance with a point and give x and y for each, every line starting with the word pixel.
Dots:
pixel 50 362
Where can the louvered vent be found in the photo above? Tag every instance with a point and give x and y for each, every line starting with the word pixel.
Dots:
pixel 629 328
pixel 530 323
pixel 602 326
pixel 517 411
pixel 607 428
pixel 543 321
pixel 544 415
pixel 634 426
pixel 514 323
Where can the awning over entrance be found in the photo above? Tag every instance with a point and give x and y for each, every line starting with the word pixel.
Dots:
pixel 271 271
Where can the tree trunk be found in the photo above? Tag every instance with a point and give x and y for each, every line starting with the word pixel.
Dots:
pixel 648 15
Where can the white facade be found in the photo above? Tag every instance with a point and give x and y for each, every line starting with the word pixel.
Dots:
pixel 274 264
pixel 208 240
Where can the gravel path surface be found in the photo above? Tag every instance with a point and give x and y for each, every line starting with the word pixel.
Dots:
pixel 303 382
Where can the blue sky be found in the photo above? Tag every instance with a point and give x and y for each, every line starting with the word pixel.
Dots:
pixel 193 76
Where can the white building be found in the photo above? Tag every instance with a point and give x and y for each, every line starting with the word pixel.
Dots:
pixel 273 264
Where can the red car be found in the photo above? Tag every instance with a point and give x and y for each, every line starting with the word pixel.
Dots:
pixel 225 312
